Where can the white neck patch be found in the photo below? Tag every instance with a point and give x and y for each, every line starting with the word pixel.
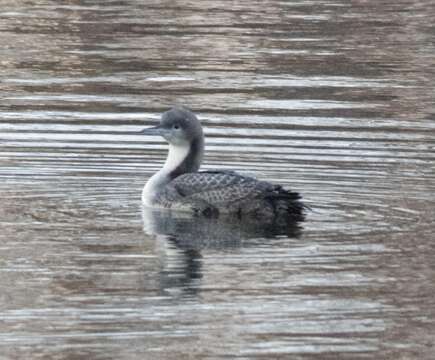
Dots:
pixel 176 155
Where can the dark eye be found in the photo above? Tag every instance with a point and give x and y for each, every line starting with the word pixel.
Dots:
pixel 176 127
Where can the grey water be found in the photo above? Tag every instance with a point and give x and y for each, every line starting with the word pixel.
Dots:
pixel 331 98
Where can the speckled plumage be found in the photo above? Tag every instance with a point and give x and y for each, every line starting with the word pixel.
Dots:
pixel 223 192
pixel 180 186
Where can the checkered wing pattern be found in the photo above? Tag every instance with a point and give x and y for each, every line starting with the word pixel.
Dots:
pixel 217 188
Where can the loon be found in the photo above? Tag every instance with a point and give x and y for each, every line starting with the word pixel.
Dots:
pixel 180 185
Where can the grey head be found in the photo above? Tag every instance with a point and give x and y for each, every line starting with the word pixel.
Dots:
pixel 178 126
pixel 183 131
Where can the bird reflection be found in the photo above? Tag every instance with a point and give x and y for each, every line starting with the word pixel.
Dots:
pixel 180 239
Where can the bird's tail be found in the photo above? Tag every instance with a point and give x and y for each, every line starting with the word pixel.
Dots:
pixel 287 204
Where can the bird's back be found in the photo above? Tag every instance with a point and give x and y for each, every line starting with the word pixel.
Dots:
pixel 226 192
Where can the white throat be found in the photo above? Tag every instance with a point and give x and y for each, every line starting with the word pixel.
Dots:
pixel 176 155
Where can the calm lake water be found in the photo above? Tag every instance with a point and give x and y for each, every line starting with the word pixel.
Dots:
pixel 334 99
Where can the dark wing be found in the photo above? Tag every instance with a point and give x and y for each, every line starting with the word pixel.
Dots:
pixel 219 187
pixel 227 191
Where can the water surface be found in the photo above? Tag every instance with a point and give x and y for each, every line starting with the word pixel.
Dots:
pixel 330 98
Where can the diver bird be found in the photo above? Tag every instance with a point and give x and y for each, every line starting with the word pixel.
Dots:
pixel 180 185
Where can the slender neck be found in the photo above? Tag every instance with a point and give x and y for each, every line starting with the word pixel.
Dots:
pixel 185 158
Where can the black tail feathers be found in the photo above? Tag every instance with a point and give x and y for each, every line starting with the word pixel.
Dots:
pixel 287 205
